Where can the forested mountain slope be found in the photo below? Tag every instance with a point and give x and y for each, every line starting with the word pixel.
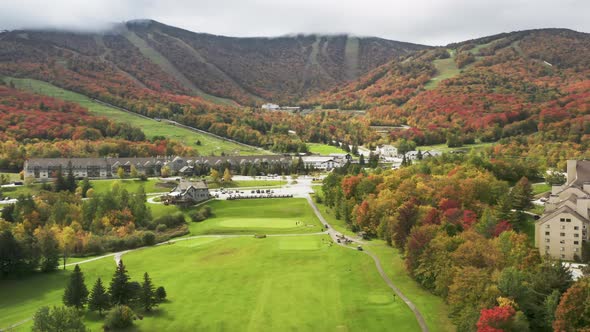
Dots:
pixel 489 88
pixel 221 69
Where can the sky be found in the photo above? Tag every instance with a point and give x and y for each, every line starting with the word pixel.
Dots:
pixel 432 22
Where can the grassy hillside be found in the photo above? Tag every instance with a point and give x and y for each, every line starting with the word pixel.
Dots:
pixel 151 128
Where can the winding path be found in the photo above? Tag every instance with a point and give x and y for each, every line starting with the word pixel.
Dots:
pixel 334 235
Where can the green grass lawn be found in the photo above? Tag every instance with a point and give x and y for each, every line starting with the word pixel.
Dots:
pixel 12 176
pixel 445 68
pixel 253 216
pixel 323 149
pixel 238 284
pixel 132 185
pixel 14 192
pixel 151 128
pixel 539 188
pixel 445 148
pixel 432 307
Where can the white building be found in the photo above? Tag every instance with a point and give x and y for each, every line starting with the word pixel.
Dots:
pixel 387 151
pixel 271 107
pixel 320 162
pixel 564 225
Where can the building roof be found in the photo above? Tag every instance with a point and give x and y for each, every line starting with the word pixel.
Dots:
pixel 114 161
pixel 562 209
pixel 317 159
pixel 185 185
pixel 582 173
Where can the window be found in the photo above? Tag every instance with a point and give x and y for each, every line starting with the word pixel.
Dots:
pixel 576 235
pixel 575 249
pixel 547 226
pixel 546 233
pixel 562 226
pixel 576 242
pixel 562 219
pixel 547 247
pixel 568 220
pixel 562 241
pixel 547 240
pixel 576 228
pixel 562 256
pixel 561 234
pixel 562 248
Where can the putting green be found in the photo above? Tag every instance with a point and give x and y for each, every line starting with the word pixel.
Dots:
pixel 265 216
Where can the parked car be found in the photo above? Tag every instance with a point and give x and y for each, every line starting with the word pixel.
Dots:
pixel 359 248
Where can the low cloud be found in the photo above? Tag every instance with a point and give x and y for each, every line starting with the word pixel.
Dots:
pixel 420 21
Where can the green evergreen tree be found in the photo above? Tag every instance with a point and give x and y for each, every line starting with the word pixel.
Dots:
pixel 76 293
pixel 99 298
pixel 119 289
pixel 148 294
pixel 522 194
pixel 60 182
pixel 362 160
pixel 70 179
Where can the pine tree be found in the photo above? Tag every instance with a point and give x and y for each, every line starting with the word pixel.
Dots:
pixel 119 288
pixel 76 293
pixel 148 294
pixel 99 298
pixel 60 182
pixel 522 194
pixel 70 181
pixel 362 160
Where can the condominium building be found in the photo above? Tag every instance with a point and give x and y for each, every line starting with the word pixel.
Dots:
pixel 564 225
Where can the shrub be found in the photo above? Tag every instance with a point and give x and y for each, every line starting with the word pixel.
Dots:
pixel 160 294
pixel 133 241
pixel 206 211
pixel 94 245
pixel 161 228
pixel 58 319
pixel 148 238
pixel 120 317
pixel 170 221
pixel 196 216
pixel 260 236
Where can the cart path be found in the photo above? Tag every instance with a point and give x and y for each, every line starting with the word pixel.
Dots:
pixel 335 235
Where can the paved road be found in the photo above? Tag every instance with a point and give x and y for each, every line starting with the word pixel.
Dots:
pixel 335 235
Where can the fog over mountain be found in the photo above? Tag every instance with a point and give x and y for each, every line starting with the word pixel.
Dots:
pixel 419 21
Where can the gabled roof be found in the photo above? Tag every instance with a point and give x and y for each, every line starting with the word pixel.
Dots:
pixel 562 209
